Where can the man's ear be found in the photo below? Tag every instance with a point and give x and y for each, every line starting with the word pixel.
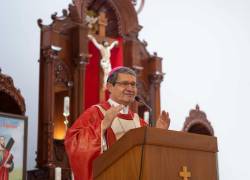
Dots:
pixel 109 87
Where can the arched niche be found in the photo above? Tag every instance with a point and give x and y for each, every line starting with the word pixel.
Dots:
pixel 122 16
pixel 10 97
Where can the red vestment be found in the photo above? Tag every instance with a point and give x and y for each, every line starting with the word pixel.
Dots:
pixel 4 172
pixel 83 140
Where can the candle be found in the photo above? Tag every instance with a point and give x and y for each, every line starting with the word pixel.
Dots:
pixel 58 173
pixel 146 116
pixel 66 106
pixel 72 176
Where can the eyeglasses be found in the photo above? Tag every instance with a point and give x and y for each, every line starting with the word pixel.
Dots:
pixel 125 84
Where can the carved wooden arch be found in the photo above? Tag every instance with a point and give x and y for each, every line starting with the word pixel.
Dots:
pixel 121 11
pixel 10 96
pixel 197 122
pixel 64 56
pixel 129 21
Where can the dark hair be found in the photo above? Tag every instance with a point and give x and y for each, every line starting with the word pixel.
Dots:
pixel 123 70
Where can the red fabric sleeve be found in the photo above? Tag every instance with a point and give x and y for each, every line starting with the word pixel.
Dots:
pixel 4 172
pixel 143 123
pixel 83 143
pixel 110 136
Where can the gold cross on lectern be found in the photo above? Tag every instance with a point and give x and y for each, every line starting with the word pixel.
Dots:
pixel 184 173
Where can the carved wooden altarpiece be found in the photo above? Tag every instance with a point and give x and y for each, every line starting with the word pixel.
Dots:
pixel 64 55
pixel 198 123
pixel 10 97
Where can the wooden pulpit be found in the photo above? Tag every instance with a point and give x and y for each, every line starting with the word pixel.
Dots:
pixel 156 154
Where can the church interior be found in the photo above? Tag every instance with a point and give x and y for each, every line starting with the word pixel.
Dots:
pixel 190 59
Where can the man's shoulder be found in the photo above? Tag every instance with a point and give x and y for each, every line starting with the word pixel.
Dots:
pixel 97 108
pixel 104 105
pixel 93 110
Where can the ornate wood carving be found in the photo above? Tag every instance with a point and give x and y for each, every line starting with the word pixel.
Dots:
pixel 155 78
pixel 11 96
pixel 59 154
pixel 50 54
pixel 78 10
pixel 140 6
pixel 197 122
pixel 46 97
pixel 122 17
pixel 61 73
pixel 42 174
pixel 63 57
pixel 62 70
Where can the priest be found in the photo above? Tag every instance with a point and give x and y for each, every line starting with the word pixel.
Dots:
pixel 101 125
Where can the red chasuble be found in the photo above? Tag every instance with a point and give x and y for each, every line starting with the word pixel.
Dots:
pixel 4 172
pixel 83 140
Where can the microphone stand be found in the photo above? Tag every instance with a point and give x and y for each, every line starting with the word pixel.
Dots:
pixel 140 100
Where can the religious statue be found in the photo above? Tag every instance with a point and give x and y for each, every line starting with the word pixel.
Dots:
pixel 105 49
pixel 6 162
pixel 92 21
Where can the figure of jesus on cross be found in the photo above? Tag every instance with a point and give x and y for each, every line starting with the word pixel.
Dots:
pixel 105 49
pixel 104 44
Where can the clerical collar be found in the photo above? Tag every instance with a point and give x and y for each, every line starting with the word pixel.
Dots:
pixel 113 103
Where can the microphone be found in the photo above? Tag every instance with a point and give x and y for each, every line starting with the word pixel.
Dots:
pixel 140 100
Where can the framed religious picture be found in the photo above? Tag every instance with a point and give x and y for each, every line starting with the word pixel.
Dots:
pixel 13 146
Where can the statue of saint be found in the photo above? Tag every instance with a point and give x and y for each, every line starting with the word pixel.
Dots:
pixel 105 49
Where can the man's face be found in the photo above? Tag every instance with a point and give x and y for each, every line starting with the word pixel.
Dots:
pixel 124 90
pixel 2 143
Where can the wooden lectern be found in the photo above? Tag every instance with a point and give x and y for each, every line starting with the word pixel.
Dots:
pixel 156 154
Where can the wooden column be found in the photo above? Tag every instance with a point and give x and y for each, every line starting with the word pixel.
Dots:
pixel 155 79
pixel 80 56
pixel 79 87
pixel 46 115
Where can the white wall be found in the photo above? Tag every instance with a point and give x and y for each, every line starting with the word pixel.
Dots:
pixel 204 47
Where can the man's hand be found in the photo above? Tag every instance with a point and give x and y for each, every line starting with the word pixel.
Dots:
pixel 90 36
pixel 116 43
pixel 110 116
pixel 7 166
pixel 164 121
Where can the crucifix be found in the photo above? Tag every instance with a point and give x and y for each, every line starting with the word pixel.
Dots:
pixel 184 173
pixel 104 44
